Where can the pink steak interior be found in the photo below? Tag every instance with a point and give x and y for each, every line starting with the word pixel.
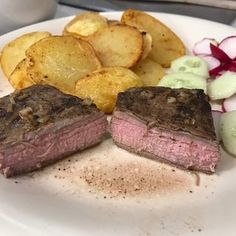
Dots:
pixel 52 143
pixel 178 148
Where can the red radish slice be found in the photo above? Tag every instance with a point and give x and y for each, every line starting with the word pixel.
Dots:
pixel 228 45
pixel 219 54
pixel 217 71
pixel 203 46
pixel 231 66
pixel 229 104
pixel 211 61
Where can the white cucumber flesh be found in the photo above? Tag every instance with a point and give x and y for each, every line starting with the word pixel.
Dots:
pixel 222 87
pixel 192 64
pixel 228 131
pixel 183 80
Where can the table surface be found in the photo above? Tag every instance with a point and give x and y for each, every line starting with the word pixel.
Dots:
pixel 63 10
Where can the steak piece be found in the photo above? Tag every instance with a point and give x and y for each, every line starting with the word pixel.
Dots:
pixel 170 125
pixel 40 125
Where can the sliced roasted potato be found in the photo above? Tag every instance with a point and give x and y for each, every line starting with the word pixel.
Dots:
pixel 85 24
pixel 147 44
pixel 19 78
pixel 167 46
pixel 113 22
pixel 118 45
pixel 61 61
pixel 103 86
pixel 14 52
pixel 149 71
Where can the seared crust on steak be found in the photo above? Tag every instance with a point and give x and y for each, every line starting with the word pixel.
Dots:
pixel 34 107
pixel 173 109
pixel 169 125
pixel 40 125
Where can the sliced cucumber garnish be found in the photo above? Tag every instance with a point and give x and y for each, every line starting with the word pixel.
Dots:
pixel 228 131
pixel 184 80
pixel 223 86
pixel 192 64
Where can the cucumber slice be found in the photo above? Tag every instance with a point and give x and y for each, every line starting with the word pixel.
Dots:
pixel 222 87
pixel 192 64
pixel 228 131
pixel 183 80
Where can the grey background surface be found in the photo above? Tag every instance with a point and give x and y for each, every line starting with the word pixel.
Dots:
pixel 222 15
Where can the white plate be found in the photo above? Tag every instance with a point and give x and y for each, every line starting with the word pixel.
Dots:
pixel 43 204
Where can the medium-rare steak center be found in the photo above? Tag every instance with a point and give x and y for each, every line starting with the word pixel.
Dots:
pixel 40 125
pixel 170 125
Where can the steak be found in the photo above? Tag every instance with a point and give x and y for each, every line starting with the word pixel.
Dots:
pixel 174 126
pixel 40 125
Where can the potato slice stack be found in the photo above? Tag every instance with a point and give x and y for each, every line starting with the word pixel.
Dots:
pixel 61 61
pixel 95 57
pixel 167 46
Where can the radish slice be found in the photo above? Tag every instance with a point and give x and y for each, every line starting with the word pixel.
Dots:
pixel 203 46
pixel 231 66
pixel 217 71
pixel 229 104
pixel 223 108
pixel 228 45
pixel 211 61
pixel 219 54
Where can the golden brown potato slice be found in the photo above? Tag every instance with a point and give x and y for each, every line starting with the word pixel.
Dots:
pixel 147 44
pixel 60 61
pixel 103 86
pixel 85 24
pixel 167 46
pixel 19 78
pixel 149 71
pixel 118 45
pixel 14 52
pixel 113 22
